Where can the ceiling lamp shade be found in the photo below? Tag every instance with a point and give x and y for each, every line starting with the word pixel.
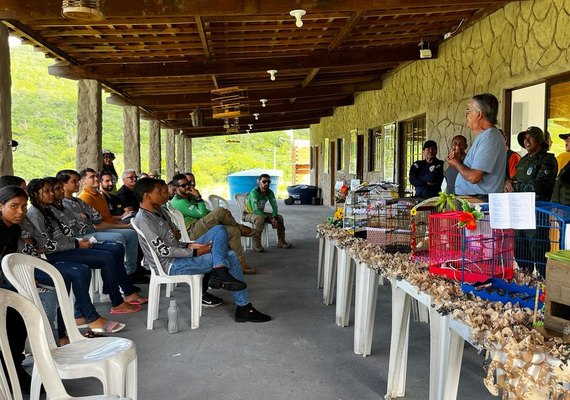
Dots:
pixel 86 10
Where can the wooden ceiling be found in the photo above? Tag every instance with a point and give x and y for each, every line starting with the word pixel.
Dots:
pixel 166 56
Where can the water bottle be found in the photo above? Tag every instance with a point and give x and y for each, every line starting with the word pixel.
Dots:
pixel 172 317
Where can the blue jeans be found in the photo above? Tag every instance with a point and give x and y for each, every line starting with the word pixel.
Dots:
pixel 105 256
pixel 128 238
pixel 220 255
pixel 76 276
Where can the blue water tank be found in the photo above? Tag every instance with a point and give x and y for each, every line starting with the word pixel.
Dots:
pixel 245 181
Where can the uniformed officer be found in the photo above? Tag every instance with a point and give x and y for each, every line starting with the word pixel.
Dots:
pixel 536 172
pixel 427 175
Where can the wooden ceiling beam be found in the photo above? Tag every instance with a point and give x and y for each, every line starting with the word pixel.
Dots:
pixel 195 99
pixel 268 110
pixel 257 125
pixel 187 69
pixel 51 9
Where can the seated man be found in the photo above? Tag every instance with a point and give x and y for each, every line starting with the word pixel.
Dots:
pixel 427 175
pixel 208 254
pixel 125 192
pixel 255 213
pixel 113 201
pixel 199 219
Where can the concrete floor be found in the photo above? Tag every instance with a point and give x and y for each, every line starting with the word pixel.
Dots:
pixel 299 355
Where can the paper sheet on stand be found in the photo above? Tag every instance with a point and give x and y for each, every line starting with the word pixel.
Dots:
pixel 512 210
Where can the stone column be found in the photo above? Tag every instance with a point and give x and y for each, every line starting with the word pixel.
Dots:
pixel 132 138
pixel 180 152
pixel 89 125
pixel 154 160
pixel 6 163
pixel 169 154
pixel 187 153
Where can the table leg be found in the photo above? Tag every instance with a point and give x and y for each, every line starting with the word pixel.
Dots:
pixel 365 308
pixel 397 366
pixel 344 284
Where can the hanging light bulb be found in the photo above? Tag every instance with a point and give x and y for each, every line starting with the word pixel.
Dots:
pixel 247 131
pixel 250 126
pixel 263 102
pixel 298 14
pixel 256 116
pixel 272 73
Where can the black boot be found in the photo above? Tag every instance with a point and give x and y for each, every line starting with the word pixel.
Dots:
pixel 249 314
pixel 221 279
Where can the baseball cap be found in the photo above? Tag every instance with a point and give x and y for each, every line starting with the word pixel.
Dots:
pixel 564 136
pixel 429 143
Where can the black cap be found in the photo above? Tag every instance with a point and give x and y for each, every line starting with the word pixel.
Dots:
pixel 429 143
pixel 564 136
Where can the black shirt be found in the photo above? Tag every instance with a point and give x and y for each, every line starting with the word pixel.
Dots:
pixel 128 198
pixel 114 204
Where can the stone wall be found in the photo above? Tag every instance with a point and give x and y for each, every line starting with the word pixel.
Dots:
pixel 520 44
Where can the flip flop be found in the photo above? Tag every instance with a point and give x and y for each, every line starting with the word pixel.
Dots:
pixel 140 301
pixel 133 309
pixel 92 335
pixel 109 327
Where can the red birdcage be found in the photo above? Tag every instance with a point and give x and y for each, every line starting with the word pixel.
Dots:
pixel 469 255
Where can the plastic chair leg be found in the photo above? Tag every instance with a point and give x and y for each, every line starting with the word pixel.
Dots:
pixel 344 284
pixel 329 274
pixel 195 301
pixel 320 262
pixel 398 362
pixel 365 308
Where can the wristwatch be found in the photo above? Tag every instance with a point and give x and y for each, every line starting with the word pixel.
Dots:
pixel 194 252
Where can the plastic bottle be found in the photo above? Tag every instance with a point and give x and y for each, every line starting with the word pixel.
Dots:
pixel 172 317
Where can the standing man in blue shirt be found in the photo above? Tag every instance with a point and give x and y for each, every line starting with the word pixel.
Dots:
pixel 427 175
pixel 483 170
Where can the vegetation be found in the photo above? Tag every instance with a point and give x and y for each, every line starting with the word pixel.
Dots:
pixel 44 112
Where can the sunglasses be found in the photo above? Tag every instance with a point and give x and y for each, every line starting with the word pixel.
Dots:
pixel 265 182
pixel 185 185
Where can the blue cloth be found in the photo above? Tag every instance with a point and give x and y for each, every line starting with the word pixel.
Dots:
pixel 426 177
pixel 128 238
pixel 488 154
pixel 220 255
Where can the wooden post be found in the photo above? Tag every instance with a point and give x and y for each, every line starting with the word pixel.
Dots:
pixel 89 125
pixel 6 162
pixel 154 157
pixel 169 154
pixel 132 138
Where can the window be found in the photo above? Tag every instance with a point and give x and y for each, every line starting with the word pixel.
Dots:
pixel 382 151
pixel 558 114
pixel 339 155
pixel 412 137
pixel 353 151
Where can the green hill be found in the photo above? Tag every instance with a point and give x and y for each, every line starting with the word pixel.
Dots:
pixel 44 112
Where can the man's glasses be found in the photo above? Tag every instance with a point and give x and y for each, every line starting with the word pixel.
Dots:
pixel 185 185
pixel 132 178
pixel 265 182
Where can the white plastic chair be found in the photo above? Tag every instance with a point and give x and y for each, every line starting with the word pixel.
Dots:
pixel 159 277
pixel 112 360
pixel 240 199
pixel 43 361
pixel 218 201
pixel 178 219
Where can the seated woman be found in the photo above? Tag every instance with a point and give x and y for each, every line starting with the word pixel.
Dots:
pixel 61 245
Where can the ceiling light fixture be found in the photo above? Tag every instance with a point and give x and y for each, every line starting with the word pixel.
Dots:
pixel 298 14
pixel 86 10
pixel 425 51
pixel 256 116
pixel 272 73
pixel 250 126
pixel 247 131
pixel 263 102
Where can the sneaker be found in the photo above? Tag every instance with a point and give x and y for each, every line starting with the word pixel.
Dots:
pixel 221 279
pixel 249 314
pixel 284 245
pixel 209 300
